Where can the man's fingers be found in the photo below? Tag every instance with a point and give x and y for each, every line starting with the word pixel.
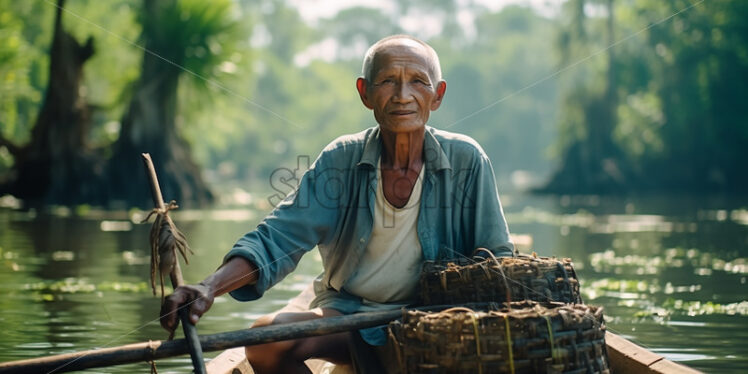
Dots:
pixel 168 321
pixel 198 308
pixel 192 298
pixel 179 297
pixel 169 310
pixel 195 310
pixel 168 315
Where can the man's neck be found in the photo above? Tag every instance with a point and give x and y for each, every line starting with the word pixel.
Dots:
pixel 403 150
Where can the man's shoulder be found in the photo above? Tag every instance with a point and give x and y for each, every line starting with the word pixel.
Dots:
pixel 349 142
pixel 456 144
pixel 345 151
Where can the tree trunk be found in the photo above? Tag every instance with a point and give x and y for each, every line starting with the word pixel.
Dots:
pixel 57 166
pixel 149 125
pixel 595 163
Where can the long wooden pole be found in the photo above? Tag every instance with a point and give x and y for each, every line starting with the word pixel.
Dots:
pixel 190 331
pixel 148 351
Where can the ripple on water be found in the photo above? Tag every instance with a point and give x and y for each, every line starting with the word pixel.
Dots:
pixel 36 345
pixel 686 323
pixel 681 355
pixel 247 316
pixel 77 328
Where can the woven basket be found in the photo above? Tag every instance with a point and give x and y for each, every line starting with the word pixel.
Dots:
pixel 528 338
pixel 463 280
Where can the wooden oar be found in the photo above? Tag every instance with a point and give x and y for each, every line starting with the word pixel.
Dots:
pixel 153 350
pixel 190 331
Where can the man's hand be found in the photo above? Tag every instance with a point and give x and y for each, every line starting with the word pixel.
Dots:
pixel 197 298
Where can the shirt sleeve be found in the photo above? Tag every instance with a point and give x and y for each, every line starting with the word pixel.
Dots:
pixel 484 215
pixel 302 220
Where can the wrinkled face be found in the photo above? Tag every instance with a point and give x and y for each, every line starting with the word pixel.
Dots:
pixel 402 92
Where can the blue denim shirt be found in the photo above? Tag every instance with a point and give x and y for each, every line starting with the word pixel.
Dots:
pixel 333 208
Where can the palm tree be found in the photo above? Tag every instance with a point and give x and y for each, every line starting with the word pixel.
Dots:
pixel 183 39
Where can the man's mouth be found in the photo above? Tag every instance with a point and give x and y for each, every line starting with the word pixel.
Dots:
pixel 401 112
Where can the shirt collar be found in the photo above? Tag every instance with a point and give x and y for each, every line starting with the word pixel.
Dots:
pixel 372 148
pixel 434 155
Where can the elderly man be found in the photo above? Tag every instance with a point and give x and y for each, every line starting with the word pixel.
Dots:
pixel 377 204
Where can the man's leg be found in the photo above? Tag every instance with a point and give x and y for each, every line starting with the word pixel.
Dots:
pixel 288 356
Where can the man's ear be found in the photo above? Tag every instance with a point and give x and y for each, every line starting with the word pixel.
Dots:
pixel 441 89
pixel 361 86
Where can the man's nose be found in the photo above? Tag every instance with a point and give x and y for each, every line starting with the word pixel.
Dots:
pixel 403 93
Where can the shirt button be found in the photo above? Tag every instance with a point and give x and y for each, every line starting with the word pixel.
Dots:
pixel 362 241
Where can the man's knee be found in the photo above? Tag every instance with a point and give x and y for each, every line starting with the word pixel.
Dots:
pixel 267 358
pixel 288 317
pixel 263 321
pixel 269 351
pixel 294 352
pixel 270 356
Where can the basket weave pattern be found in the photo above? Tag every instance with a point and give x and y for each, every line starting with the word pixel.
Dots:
pixel 463 280
pixel 530 337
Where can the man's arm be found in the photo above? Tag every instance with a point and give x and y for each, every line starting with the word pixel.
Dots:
pixel 489 227
pixel 233 274
pixel 305 218
pixel 265 255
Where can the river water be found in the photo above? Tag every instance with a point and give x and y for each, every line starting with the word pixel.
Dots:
pixel 670 271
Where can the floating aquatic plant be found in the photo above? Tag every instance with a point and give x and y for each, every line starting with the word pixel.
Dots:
pixel 698 308
pixel 677 307
pixel 622 285
pixel 610 261
pixel 582 218
pixel 81 285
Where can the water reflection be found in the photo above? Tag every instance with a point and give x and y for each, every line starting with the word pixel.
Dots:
pixel 670 272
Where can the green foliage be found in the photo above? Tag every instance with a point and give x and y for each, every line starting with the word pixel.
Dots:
pixel 19 95
pixel 680 80
pixel 253 105
pixel 359 25
pixel 497 91
pixel 114 65
pixel 264 86
pixel 216 76
pixel 191 35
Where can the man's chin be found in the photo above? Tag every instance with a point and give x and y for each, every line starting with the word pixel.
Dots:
pixel 403 127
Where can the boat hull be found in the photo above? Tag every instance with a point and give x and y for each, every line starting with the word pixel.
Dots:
pixel 625 357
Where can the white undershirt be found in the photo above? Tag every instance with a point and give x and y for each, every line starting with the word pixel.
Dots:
pixel 391 264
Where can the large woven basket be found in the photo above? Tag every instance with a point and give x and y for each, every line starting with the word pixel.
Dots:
pixel 465 280
pixel 530 337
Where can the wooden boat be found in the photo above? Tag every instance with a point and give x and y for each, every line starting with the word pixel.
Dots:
pixel 625 356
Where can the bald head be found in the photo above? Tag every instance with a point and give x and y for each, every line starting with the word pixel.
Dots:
pixel 401 41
